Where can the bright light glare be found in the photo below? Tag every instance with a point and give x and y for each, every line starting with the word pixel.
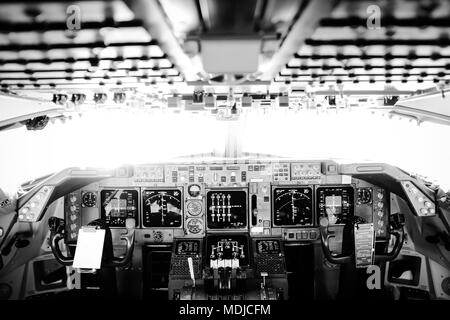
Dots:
pixel 108 138
pixel 105 139
pixel 353 136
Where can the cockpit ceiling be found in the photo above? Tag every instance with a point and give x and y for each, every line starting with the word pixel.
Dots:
pixel 233 17
pixel 38 50
pixel 116 45
pixel 410 45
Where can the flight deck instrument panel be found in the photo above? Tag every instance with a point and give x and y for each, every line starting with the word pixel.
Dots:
pixel 264 199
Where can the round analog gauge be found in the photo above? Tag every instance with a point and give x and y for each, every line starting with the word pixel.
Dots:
pixel 364 196
pixel 89 199
pixel 194 190
pixel 194 208
pixel 194 226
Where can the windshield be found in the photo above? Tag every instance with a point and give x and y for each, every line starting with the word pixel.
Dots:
pixel 108 138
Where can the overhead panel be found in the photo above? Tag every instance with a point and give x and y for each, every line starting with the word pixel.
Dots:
pixel 108 47
pixel 394 42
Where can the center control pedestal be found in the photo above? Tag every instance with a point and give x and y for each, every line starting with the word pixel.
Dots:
pixel 228 272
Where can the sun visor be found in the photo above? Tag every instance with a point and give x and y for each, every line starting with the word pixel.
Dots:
pixel 431 107
pixel 18 109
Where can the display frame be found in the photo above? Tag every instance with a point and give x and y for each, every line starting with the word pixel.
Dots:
pixel 100 203
pixel 293 186
pixel 163 188
pixel 230 230
pixel 325 186
pixel 177 242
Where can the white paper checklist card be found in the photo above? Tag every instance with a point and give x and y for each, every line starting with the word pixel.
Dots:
pixel 88 254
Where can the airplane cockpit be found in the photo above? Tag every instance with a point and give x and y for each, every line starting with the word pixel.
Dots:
pixel 224 150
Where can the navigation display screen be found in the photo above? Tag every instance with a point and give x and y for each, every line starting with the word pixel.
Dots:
pixel 162 208
pixel 293 206
pixel 226 209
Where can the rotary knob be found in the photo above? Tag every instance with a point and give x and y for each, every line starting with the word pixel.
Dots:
pixel 158 236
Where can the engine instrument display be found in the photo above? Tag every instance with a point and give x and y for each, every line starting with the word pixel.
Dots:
pixel 161 208
pixel 188 247
pixel 268 247
pixel 293 206
pixel 228 247
pixel 118 205
pixel 226 209
pixel 336 203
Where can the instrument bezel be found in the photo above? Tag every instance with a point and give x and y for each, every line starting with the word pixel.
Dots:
pixel 293 186
pixel 225 189
pixel 163 188
pixel 127 188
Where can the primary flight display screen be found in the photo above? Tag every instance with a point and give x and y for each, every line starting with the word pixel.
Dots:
pixel 226 209
pixel 118 205
pixel 161 208
pixel 336 203
pixel 293 206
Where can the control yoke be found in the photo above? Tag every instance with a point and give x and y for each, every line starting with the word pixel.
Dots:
pixel 396 229
pixel 128 237
pixel 326 234
pixel 56 226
